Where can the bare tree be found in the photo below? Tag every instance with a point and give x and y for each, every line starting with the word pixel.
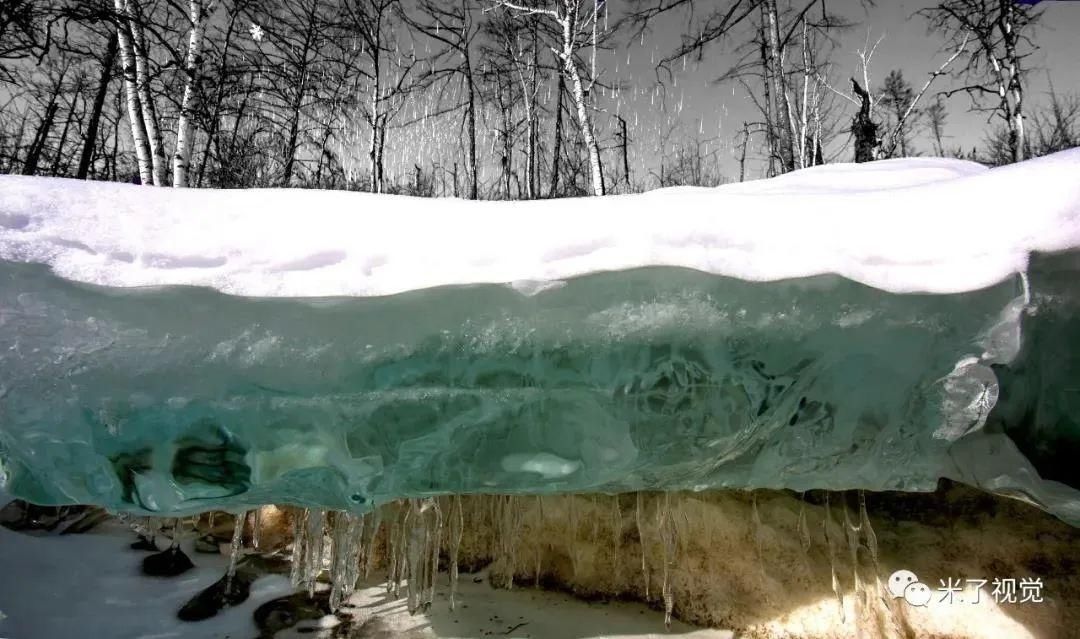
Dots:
pixel 574 18
pixel 192 69
pixel 452 25
pixel 994 66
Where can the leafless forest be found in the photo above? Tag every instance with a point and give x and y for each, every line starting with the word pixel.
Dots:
pixel 493 99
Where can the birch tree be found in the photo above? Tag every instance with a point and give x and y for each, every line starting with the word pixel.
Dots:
pixel 134 101
pixel 992 72
pixel 192 68
pixel 573 19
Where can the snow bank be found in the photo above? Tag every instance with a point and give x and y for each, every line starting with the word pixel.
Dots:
pixel 906 225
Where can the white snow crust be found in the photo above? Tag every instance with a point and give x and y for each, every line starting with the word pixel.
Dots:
pixel 913 225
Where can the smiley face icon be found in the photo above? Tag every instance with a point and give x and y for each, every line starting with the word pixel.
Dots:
pixel 917 594
pixel 900 580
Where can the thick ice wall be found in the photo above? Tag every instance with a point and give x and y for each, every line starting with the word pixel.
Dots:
pixel 176 399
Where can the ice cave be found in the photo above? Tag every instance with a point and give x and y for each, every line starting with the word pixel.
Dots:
pixel 760 391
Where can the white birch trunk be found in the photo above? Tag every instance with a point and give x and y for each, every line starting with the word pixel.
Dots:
pixel 146 101
pixel 570 68
pixel 134 108
pixel 192 69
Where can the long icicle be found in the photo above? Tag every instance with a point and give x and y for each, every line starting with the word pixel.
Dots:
pixel 234 551
pixel 641 538
pixel 853 532
pixel 457 528
pixel 393 539
pixel 256 527
pixel 616 533
pixel 537 538
pixel 416 557
pixel 313 563
pixel 346 546
pixel 434 543
pixel 299 550
pixel 373 524
pixel 669 542
pixel 830 542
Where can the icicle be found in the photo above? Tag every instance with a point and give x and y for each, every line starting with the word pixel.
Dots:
pixel 539 545
pixel 393 544
pixel 871 536
pixel 347 543
pixel 234 551
pixel 831 544
pixel 852 532
pixel 641 538
pixel 299 550
pixel 256 527
pixel 616 533
pixel 175 542
pixel 373 524
pixel 457 528
pixel 507 531
pixel 755 517
pixel 804 527
pixel 313 561
pixel 402 549
pixel 434 543
pixel 417 545
pixel 573 535
pixel 669 543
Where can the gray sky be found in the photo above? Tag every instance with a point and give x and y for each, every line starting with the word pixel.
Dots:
pixel 709 108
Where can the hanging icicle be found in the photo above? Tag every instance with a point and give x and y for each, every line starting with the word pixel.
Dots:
pixel 457 528
pixel 831 545
pixel 256 527
pixel 234 551
pixel 669 545
pixel 299 549
pixel 641 536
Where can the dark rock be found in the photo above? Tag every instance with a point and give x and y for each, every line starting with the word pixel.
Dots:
pixel 286 612
pixel 216 597
pixel 169 563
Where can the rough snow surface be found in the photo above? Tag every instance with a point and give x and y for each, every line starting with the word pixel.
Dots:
pixel 904 225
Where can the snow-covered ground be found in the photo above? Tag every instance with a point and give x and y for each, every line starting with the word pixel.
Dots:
pixel 916 224
pixel 77 586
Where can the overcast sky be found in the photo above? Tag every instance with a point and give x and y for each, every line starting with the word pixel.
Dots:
pixel 710 108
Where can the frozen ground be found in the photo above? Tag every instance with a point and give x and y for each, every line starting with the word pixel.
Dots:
pixel 59 587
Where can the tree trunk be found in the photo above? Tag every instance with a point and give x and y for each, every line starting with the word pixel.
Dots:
pixel 470 125
pixel 624 142
pixel 146 100
pixel 134 105
pixel 770 122
pixel 1007 25
pixel 90 143
pixel 34 155
pixel 192 67
pixel 58 157
pixel 779 89
pixel 376 122
pixel 557 142
pixel 863 127
pixel 584 120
